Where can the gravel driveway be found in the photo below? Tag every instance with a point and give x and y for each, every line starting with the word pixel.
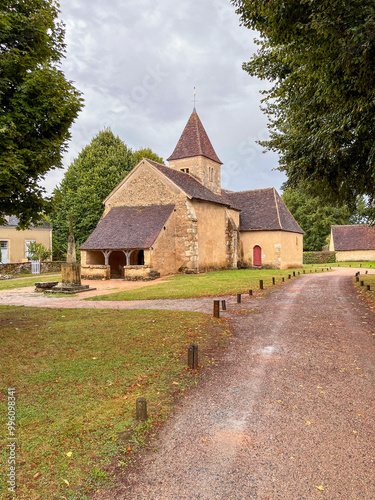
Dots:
pixel 287 414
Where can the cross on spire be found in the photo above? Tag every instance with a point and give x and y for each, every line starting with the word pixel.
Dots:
pixel 195 99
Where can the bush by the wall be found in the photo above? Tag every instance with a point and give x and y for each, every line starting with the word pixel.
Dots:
pixel 319 257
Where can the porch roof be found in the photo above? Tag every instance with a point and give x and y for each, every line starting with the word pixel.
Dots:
pixel 128 228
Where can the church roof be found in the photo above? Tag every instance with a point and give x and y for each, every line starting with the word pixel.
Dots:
pixel 128 228
pixel 194 141
pixel 264 210
pixel 189 185
pixel 356 237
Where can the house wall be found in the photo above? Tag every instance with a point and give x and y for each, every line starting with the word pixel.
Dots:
pixel 199 167
pixel 280 249
pixel 355 255
pixel 17 241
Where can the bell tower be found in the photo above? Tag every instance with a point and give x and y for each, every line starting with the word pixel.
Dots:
pixel 195 155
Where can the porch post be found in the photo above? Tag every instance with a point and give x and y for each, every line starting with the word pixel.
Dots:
pixel 127 256
pixel 106 254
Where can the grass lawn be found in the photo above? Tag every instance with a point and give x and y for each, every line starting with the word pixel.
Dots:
pixel 21 283
pixel 211 284
pixel 77 375
pixel 352 264
pixel 368 279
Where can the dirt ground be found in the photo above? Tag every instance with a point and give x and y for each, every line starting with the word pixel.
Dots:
pixel 287 413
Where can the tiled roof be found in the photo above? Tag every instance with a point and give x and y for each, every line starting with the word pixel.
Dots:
pixel 194 141
pixel 189 185
pixel 128 228
pixel 356 237
pixel 262 209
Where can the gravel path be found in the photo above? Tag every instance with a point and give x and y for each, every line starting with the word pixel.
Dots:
pixel 287 414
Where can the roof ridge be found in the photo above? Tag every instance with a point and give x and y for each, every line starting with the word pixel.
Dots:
pixel 277 208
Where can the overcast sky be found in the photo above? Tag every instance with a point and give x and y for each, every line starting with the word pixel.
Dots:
pixel 137 63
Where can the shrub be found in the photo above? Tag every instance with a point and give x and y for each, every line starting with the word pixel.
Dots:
pixel 319 257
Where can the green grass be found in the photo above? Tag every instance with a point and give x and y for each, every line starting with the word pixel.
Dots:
pixel 21 283
pixel 352 264
pixel 368 279
pixel 77 375
pixel 211 284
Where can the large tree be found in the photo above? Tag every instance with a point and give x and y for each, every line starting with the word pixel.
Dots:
pixel 320 57
pixel 314 217
pixel 96 171
pixel 37 104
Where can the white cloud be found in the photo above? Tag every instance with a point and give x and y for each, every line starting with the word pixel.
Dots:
pixel 137 62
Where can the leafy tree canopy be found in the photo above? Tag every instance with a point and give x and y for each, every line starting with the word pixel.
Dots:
pixel 37 104
pixel 90 178
pixel 320 57
pixel 316 216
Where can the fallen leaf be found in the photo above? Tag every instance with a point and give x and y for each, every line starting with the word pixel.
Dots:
pixel 36 475
pixel 69 454
pixel 175 383
pixel 308 422
pixel 65 481
pixel 129 448
pixel 94 358
pixel 320 488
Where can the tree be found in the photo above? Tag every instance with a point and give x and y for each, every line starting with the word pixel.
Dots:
pixel 320 57
pixel 37 251
pixel 314 217
pixel 90 178
pixel 37 104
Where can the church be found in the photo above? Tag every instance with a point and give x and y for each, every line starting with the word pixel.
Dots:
pixel 162 220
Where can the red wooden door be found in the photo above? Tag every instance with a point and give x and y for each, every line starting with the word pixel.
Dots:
pixel 257 256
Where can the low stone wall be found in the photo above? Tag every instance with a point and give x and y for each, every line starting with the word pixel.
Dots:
pixel 21 267
pixel 140 273
pixel 97 272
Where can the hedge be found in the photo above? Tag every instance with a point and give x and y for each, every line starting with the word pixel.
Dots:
pixel 319 257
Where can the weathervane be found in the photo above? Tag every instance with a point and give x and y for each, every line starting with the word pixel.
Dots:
pixel 195 100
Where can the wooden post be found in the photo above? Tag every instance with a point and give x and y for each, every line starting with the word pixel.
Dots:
pixel 368 288
pixel 294 273
pixel 299 274
pixel 223 305
pixel 250 292
pixel 273 281
pixel 141 409
pixel 357 278
pixel 289 276
pixel 238 298
pixel 193 356
pixel 361 283
pixel 216 308
pixel 283 279
pixel 366 272
pixel 304 271
pixel 260 284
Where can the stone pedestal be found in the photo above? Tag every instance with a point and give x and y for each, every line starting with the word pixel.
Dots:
pixel 71 280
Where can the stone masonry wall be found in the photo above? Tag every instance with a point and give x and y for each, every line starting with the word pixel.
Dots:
pixel 21 267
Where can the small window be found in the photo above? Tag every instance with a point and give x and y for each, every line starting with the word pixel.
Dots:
pixel 210 174
pixel 185 170
pixel 297 241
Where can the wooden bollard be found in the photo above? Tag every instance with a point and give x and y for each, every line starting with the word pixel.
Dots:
pixel 193 356
pixel 283 279
pixel 223 305
pixel 310 270
pixel 238 298
pixel 260 284
pixel 316 270
pixel 294 273
pixel 141 409
pixel 273 281
pixel 360 265
pixel 368 288
pixel 366 272
pixel 250 292
pixel 361 283
pixel 216 308
pixel 289 276
pixel 304 272
pixel 357 278
pixel 299 274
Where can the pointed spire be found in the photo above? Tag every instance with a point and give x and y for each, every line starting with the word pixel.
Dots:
pixel 194 141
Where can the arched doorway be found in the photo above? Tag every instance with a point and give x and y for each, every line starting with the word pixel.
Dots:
pixel 117 262
pixel 257 256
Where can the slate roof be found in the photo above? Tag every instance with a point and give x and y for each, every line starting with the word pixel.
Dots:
pixel 14 221
pixel 356 237
pixel 128 228
pixel 190 185
pixel 262 209
pixel 194 141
